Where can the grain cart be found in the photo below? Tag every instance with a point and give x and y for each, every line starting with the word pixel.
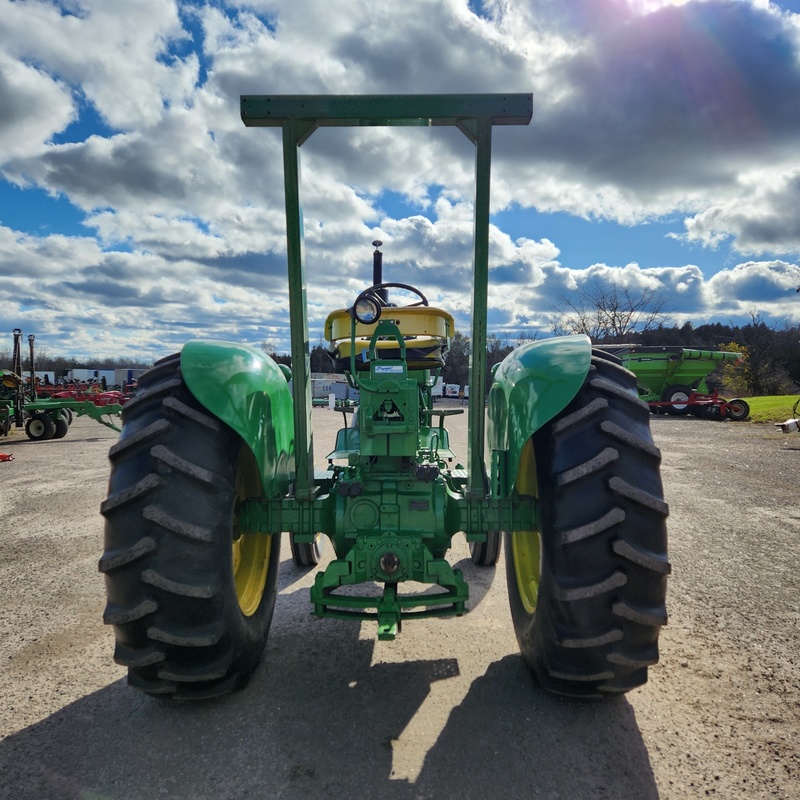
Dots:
pixel 672 380
pixel 215 464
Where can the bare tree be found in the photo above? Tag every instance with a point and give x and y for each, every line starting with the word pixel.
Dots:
pixel 611 313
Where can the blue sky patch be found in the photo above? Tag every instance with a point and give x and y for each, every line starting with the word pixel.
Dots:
pixel 586 242
pixel 35 212
pixel 89 123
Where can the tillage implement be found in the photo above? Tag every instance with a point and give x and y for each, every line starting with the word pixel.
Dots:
pixel 215 464
pixel 47 416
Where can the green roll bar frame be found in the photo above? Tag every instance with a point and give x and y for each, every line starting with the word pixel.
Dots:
pixel 299 116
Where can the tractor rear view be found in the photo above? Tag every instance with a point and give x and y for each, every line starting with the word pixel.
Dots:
pixel 215 464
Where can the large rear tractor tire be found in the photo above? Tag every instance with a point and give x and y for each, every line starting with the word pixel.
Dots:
pixel 190 596
pixel 587 590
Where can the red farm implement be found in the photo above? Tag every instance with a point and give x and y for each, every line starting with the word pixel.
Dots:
pixel 50 415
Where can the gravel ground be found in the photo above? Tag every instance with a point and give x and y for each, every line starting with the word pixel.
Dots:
pixel 448 709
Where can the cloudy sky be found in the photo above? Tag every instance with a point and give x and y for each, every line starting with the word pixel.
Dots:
pixel 137 211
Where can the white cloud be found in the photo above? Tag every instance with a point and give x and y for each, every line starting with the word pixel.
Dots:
pixel 33 107
pixel 642 109
pixel 760 217
pixel 757 286
pixel 114 53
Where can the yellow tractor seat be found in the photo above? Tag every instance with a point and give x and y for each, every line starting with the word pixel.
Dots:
pixel 426 333
pixel 422 352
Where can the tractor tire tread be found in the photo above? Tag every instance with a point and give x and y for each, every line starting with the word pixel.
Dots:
pixel 188 637
pixel 186 411
pixel 620 393
pixel 156 431
pixel 208 672
pixel 575 593
pixel 169 528
pixel 146 486
pixel 167 458
pixel 146 396
pixel 613 635
pixel 631 679
pixel 651 561
pixel 604 566
pixel 129 657
pixel 120 557
pixel 61 428
pixel 637 442
pixel 650 617
pixel 159 517
pixel 587 412
pixel 486 554
pixel 588 468
pixel 205 591
pixel 208 691
pixel 121 615
pixel 635 662
pixel 625 490
pixel 152 686
pixel 614 517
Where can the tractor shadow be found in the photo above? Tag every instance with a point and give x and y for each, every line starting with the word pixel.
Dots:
pixel 324 716
pixel 66 442
pixel 479 579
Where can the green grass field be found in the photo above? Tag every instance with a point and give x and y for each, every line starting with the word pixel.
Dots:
pixel 777 408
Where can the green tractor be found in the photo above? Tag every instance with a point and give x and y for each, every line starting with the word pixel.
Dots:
pixel 215 463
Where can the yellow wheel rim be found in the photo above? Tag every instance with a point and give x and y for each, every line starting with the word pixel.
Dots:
pixel 527 550
pixel 526 546
pixel 251 552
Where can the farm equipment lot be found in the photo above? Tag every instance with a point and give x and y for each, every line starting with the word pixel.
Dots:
pixel 461 716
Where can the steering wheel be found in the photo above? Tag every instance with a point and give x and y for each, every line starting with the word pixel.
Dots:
pixel 367 306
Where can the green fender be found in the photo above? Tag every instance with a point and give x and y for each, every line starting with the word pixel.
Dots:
pixel 248 391
pixel 531 385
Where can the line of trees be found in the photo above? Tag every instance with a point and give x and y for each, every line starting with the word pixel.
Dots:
pixel 771 363
pixel 608 315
